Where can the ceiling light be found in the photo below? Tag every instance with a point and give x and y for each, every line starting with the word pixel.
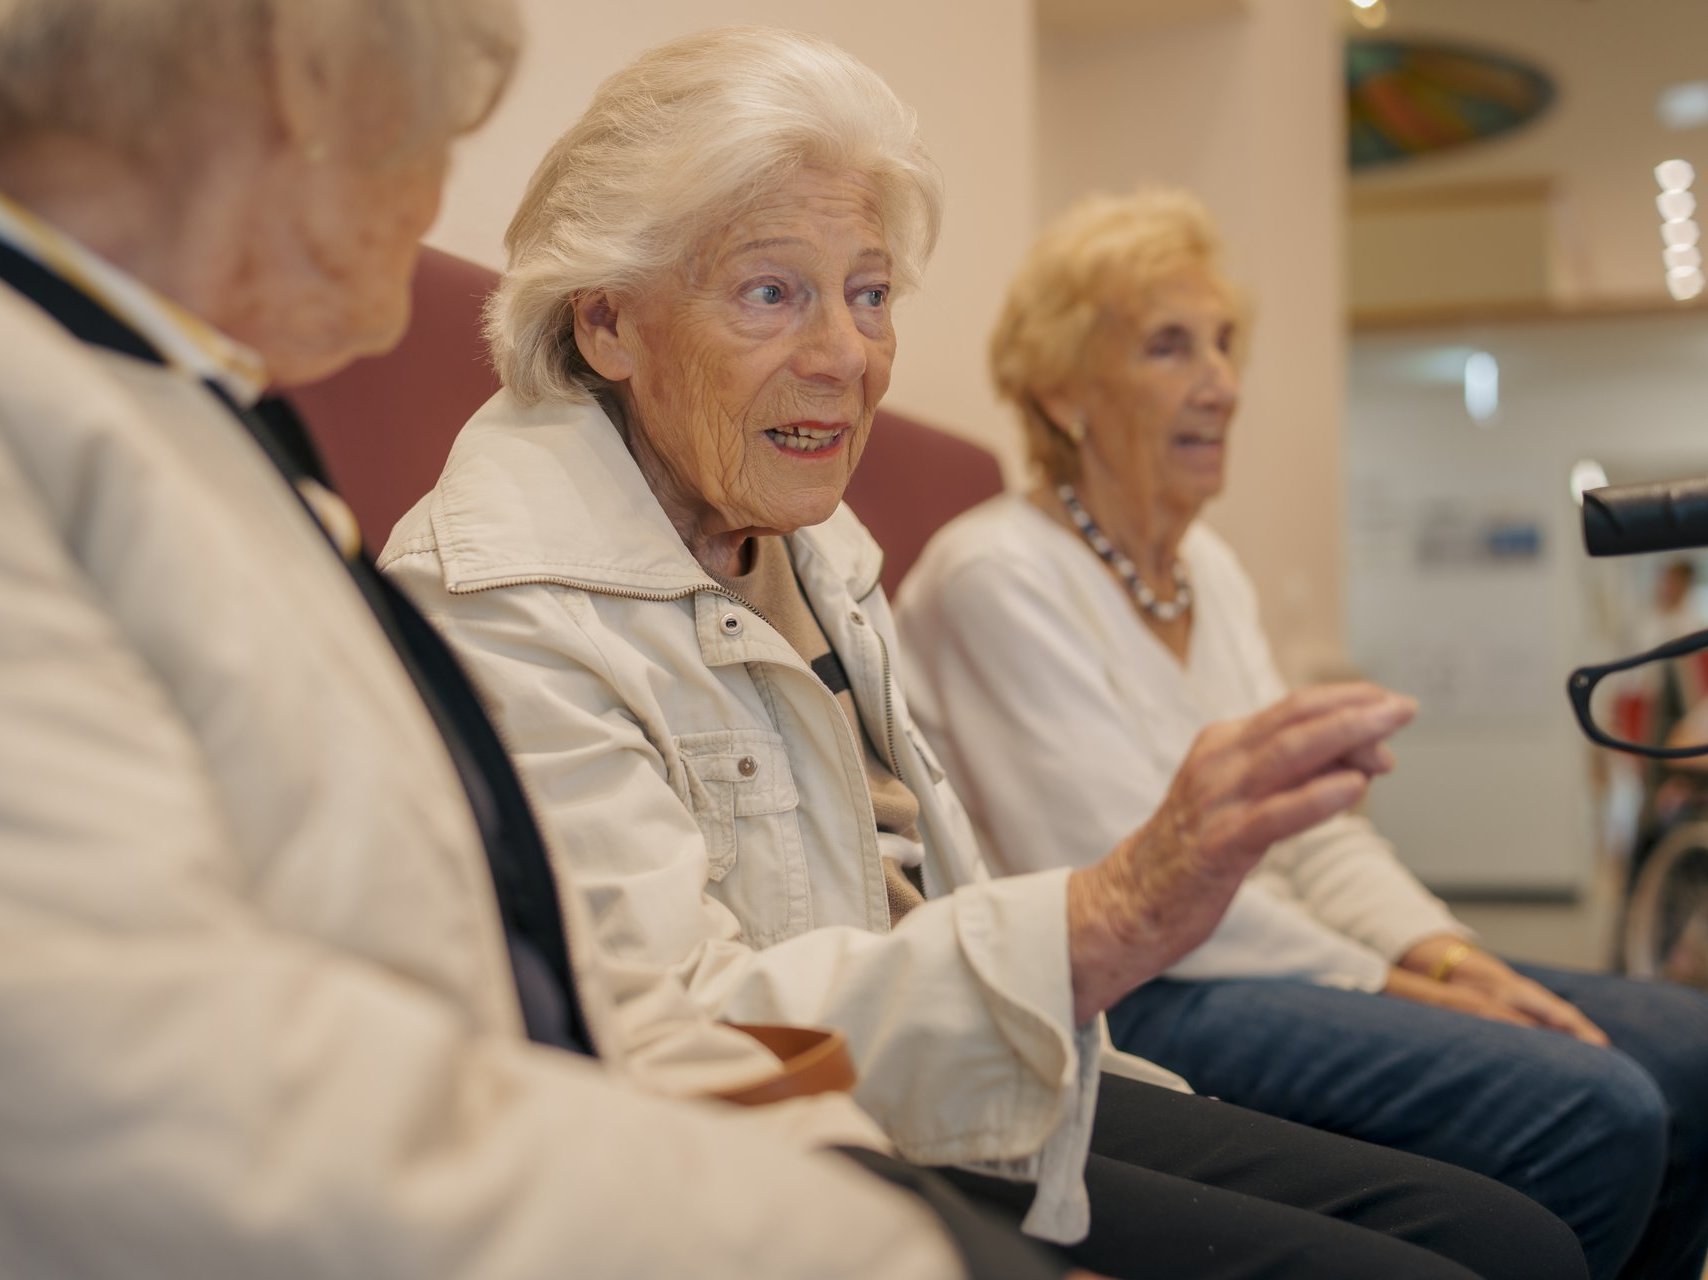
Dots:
pixel 1680 234
pixel 1684 105
pixel 1370 13
pixel 1675 175
pixel 1679 231
pixel 1675 205
pixel 1685 283
pixel 1482 386
pixel 1587 474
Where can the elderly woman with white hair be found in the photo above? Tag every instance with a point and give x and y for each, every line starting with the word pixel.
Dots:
pixel 1067 645
pixel 278 926
pixel 639 549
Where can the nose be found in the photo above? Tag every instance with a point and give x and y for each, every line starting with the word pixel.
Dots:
pixel 832 348
pixel 1220 385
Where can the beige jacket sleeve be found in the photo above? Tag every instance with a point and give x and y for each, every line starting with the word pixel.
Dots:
pixel 192 1091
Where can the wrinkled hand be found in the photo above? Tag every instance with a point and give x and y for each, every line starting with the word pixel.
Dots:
pixel 1487 987
pixel 1244 785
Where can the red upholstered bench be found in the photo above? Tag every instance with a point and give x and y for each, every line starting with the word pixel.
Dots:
pixel 386 424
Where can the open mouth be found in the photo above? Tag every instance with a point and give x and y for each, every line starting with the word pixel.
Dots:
pixel 1199 440
pixel 805 437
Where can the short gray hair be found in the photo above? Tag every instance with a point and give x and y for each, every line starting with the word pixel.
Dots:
pixel 126 73
pixel 678 143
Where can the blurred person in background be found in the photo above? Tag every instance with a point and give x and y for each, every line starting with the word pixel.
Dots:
pixel 1066 646
pixel 638 547
pixel 285 989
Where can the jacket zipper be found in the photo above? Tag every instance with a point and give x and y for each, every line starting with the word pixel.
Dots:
pixel 889 707
pixel 621 593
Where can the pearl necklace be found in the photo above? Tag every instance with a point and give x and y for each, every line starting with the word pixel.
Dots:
pixel 1125 569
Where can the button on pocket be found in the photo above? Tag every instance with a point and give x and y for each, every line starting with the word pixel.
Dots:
pixel 733 776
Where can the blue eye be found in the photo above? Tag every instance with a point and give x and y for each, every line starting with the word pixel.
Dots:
pixel 876 296
pixel 768 294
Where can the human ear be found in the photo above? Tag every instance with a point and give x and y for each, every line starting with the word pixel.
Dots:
pixel 1065 413
pixel 600 339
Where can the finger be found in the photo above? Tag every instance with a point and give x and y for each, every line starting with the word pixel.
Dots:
pixel 1500 1011
pixel 1374 759
pixel 1317 700
pixel 1311 746
pixel 1581 1028
pixel 1299 808
pixel 1560 1015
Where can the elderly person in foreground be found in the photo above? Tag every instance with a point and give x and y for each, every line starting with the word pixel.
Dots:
pixel 1068 645
pixel 639 549
pixel 278 926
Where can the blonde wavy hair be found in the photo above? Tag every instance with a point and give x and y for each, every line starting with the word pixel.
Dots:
pixel 1098 260
pixel 677 144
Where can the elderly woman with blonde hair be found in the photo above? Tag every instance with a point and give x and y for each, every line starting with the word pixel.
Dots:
pixel 1068 643
pixel 639 548
pixel 285 988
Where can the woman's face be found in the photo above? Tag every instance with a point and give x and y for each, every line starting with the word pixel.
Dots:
pixel 1159 398
pixel 337 282
pixel 752 373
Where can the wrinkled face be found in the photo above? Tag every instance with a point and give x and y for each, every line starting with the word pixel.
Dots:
pixel 756 369
pixel 338 283
pixel 1158 399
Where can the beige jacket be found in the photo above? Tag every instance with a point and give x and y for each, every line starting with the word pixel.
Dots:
pixel 256 1016
pixel 714 805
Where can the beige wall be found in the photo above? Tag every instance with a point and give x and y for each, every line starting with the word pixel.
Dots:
pixel 968 68
pixel 1246 110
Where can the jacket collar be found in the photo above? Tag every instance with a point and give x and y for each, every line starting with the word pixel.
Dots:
pixel 135 320
pixel 548 492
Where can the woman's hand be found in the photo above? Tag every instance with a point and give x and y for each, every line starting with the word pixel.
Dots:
pixel 1406 985
pixel 1244 785
pixel 1486 987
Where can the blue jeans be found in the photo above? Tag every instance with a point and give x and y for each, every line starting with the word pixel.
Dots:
pixel 1615 1142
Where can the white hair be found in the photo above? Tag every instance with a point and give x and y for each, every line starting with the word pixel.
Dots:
pixel 681 142
pixel 132 74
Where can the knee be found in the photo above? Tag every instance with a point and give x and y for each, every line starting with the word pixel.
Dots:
pixel 1509 1236
pixel 1625 1116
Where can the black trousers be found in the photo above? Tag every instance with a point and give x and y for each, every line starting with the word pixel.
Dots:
pixel 1190 1187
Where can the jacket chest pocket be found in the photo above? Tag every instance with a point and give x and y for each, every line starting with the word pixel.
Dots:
pixel 742 794
pixel 735 775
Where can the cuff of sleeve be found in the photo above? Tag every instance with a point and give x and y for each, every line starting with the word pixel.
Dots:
pixel 1014 934
pixel 1401 935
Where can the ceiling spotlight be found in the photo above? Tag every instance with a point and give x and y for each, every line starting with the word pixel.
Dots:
pixel 1684 283
pixel 1680 234
pixel 1675 175
pixel 1587 474
pixel 1675 205
pixel 1679 231
pixel 1482 386
pixel 1372 14
pixel 1683 105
